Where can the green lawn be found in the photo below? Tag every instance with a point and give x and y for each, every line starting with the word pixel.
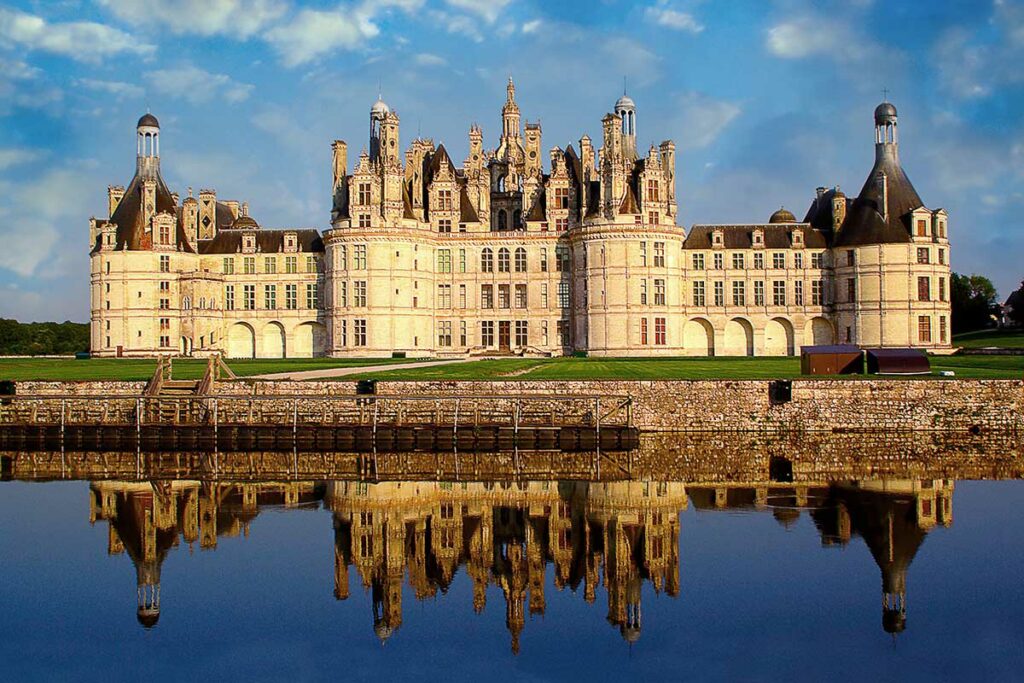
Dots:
pixel 1001 338
pixel 19 369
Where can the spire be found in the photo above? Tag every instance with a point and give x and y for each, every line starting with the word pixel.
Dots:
pixel 510 91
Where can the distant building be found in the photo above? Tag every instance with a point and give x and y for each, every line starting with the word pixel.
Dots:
pixel 505 256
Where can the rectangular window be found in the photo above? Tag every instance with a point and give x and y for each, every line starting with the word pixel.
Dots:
pixel 850 260
pixel 486 296
pixel 698 261
pixel 363 194
pixel 922 228
pixel 504 297
pixel 698 293
pixel 817 298
pixel 444 260
pixel 562 259
pixel 444 224
pixel 924 329
pixel 487 333
pixel 643 253
pixel 778 260
pixel 444 333
pixel 659 332
pixel 359 257
pixel 312 297
pixel 652 190
pixel 311 265
pixel 359 332
pixel 504 263
pixel 851 290
pixel 544 260
pixel 291 264
pixel 922 255
pixel 816 260
pixel 270 297
pixel 291 297
pixel 719 293
pixel 444 296
pixel 942 289
pixel 462 296
pixel 779 292
pixel 643 292
pixel 652 217
pixel 520 260
pixel 520 296
pixel 561 224
pixel 561 198
pixel 798 260
pixel 643 331
pixel 364 220
pixel 462 260
pixel 444 200
pixel 738 261
pixel 739 293
pixel 798 293
pixel 229 297
pixel 269 265
pixel 342 258
pixel 719 260
pixel 249 297
pixel 165 233
pixel 522 333
pixel 562 330
pixel 563 295
pixel 759 260
pixel 165 264
pixel 659 292
pixel 759 292
pixel 165 286
pixel 249 265
pixel 343 293
pixel 165 324
pixel 543 295
pixel 942 329
pixel 463 336
pixel 924 289
pixel 359 293
pixel 165 342
pixel 544 332
pixel 659 254
pixel 344 333
pixel 942 257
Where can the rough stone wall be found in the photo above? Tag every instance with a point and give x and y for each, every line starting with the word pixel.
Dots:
pixel 79 388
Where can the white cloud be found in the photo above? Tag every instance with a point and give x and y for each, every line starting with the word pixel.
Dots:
pixel 196 85
pixel 701 119
pixel 117 89
pixel 427 59
pixel 232 18
pixel 532 26
pixel 84 41
pixel 315 33
pixel 15 156
pixel 458 24
pixel 488 10
pixel 664 14
pixel 813 35
pixel 973 64
pixel 22 85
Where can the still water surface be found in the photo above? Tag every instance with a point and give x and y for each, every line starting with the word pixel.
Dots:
pixel 847 579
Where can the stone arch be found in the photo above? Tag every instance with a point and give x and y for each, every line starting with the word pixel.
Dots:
pixel 699 337
pixel 272 341
pixel 779 339
pixel 502 220
pixel 308 341
pixel 738 339
pixel 241 341
pixel 186 346
pixel 819 332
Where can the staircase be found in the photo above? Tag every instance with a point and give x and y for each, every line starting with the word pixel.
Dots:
pixel 172 401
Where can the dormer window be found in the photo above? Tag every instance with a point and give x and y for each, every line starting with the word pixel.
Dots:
pixel 758 238
pixel 248 242
pixel 717 238
pixel 291 241
pixel 798 238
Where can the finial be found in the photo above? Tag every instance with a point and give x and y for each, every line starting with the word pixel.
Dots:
pixel 190 191
pixel 623 86
pixel 885 94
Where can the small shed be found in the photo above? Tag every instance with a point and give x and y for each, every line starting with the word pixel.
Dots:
pixel 898 362
pixel 834 359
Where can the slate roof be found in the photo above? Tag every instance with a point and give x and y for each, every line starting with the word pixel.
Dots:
pixel 131 228
pixel 776 236
pixel 267 241
pixel 865 220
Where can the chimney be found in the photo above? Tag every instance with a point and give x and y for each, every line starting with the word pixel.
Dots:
pixel 820 192
pixel 114 195
pixel 339 161
pixel 884 182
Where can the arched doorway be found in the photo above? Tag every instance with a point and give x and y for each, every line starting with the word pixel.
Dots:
pixel 241 341
pixel 309 341
pixel 738 338
pixel 778 338
pixel 698 338
pixel 819 332
pixel 272 341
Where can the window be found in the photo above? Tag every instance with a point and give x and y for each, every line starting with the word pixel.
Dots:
pixel 291 297
pixel 462 296
pixel 343 293
pixel 798 293
pixel 719 293
pixel 311 265
pixel 503 260
pixel 504 297
pixel 816 260
pixel 487 333
pixel 562 259
pixel 779 259
pixel 924 289
pixel 165 324
pixel 522 333
pixel 563 295
pixel 543 295
pixel 942 289
pixel 659 292
pixel 486 296
pixel 561 197
pixel 363 194
pixel 544 332
pixel 851 290
pixel 922 255
pixel 364 220
pixel 643 292
pixel 359 293
pixel 759 260
pixel 359 332
pixel 659 254
pixel 291 264
pixel 652 190
pixel 342 258
pixel 359 257
pixel 817 291
pixel 759 292
pixel 463 336
pixel 922 228
pixel 270 297
pixel 544 260
pixel 643 253
pixel 249 297
pixel 779 292
pixel 520 260
pixel 444 296
pixel 165 264
pixel 165 233
pixel 312 297
pixel 270 265
pixel 738 261
pixel 652 217
pixel 444 200
pixel 487 260
pixel 643 331
pixel 698 261
pixel 698 293
pixel 444 260
pixel 229 297
pixel 942 329
pixel 165 286
pixel 850 260
pixel 444 333
pixel 924 329
pixel 739 293
pixel 719 260
pixel 249 265
pixel 165 342
pixel 520 296
pixel 561 224
pixel 562 330
pixel 659 332
pixel 942 257
pixel 444 224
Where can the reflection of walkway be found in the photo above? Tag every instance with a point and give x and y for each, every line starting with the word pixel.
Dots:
pixel 330 373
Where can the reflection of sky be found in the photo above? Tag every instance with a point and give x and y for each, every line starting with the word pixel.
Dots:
pixel 755 601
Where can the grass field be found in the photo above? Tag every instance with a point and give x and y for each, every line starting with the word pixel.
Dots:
pixel 18 369
pixel 982 338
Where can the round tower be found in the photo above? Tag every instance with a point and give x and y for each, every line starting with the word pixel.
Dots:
pixel 147 138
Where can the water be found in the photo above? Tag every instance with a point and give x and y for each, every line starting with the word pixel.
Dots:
pixel 908 576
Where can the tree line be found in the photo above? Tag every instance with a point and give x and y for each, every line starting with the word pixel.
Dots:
pixel 42 339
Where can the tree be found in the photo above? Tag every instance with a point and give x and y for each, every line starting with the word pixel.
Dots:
pixel 973 302
pixel 42 339
pixel 1015 306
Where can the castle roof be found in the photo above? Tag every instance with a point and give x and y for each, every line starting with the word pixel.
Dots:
pixel 820 212
pixel 129 215
pixel 777 236
pixel 881 213
pixel 629 204
pixel 267 241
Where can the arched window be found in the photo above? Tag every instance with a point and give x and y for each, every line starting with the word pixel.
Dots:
pixel 520 260
pixel 202 302
pixel 487 260
pixel 517 220
pixel 503 260
pixel 501 184
pixel 186 303
pixel 502 220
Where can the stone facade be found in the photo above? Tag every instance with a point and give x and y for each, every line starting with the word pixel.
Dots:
pixel 509 255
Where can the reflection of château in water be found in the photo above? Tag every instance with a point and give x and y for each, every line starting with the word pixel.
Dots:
pixel 618 534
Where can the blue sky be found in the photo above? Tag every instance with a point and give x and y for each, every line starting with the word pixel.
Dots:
pixel 766 100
